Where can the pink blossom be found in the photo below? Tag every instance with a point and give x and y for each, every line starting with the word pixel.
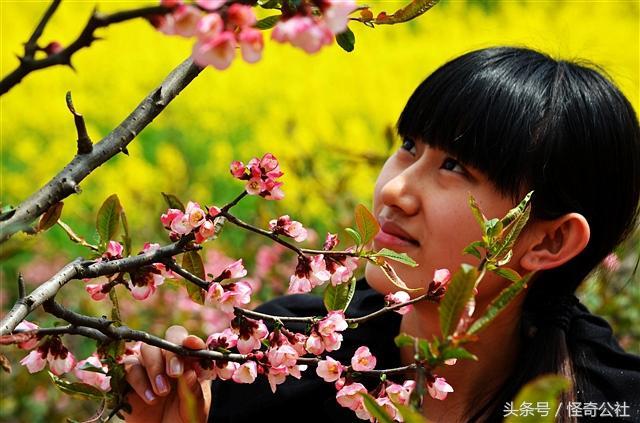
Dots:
pixel 611 262
pixel 337 14
pixel 93 378
pixel 144 282
pixel 332 342
pixel 180 224
pixel 439 388
pixel 246 373
pixel 303 32
pixel 114 250
pixel 284 355
pixel 399 297
pixel 314 344
pixel 350 396
pixel 251 340
pixel 400 394
pixel 330 241
pixel 214 211
pixel 329 369
pixel 241 15
pixel 233 271
pixel 226 371
pixel 276 376
pixel 171 215
pixel 274 191
pixel 171 3
pixel 210 4
pixel 185 21
pixel 442 276
pixel 309 274
pixel 53 47
pixel 97 291
pixel 229 296
pixel 205 231
pixel 363 360
pixel 226 339
pixel 291 228
pixel 334 322
pixel 270 166
pixel 26 325
pixel 34 361
pixel 61 361
pixel 344 272
pixel 217 51
pixel 197 216
pixel 237 169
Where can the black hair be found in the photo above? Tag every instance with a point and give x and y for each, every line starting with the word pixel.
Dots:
pixel 560 128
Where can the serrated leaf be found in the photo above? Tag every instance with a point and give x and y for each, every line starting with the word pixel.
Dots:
pixel 404 340
pixel 339 297
pixel 458 353
pixel 192 262
pixel 459 292
pixel 407 13
pixel 268 22
pixel 473 249
pixel 392 255
pixel 391 274
pixel 507 273
pixel 366 223
pixel 50 217
pixel 355 235
pixel 477 213
pixel 498 304
pixel 77 389
pixel 544 389
pixel 512 232
pixel 517 210
pixel 172 201
pixel 346 40
pixel 410 414
pixel 108 219
pixel 375 409
pixel 126 235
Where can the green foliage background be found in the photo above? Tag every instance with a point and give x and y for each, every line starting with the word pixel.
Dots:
pixel 327 117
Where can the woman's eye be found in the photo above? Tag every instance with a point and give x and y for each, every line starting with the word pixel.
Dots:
pixel 453 165
pixel 409 145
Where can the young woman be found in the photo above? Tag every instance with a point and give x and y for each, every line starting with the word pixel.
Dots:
pixel 495 123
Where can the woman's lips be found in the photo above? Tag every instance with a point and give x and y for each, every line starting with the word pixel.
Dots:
pixel 393 236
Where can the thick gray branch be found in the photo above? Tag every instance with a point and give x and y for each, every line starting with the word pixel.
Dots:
pixel 78 269
pixel 67 181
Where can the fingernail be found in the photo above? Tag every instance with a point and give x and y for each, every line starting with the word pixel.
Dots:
pixel 149 395
pixel 161 384
pixel 176 366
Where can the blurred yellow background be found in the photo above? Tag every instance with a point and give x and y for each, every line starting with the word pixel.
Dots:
pixel 326 117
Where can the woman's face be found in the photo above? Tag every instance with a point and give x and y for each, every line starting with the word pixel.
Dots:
pixel 421 202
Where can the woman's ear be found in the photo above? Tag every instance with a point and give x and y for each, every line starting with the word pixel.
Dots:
pixel 551 243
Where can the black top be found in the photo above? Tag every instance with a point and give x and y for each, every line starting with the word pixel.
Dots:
pixel 610 374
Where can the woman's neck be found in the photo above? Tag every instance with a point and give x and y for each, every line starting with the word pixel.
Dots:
pixel 496 349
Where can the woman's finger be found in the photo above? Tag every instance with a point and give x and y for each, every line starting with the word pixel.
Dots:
pixel 136 375
pixel 152 360
pixel 174 364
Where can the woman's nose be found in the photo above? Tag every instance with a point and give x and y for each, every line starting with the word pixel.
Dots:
pixel 399 192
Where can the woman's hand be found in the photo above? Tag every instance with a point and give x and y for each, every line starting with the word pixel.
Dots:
pixel 165 386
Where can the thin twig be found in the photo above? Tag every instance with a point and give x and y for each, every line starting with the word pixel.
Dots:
pixel 201 283
pixel 21 289
pixel 67 330
pixel 84 142
pixel 31 46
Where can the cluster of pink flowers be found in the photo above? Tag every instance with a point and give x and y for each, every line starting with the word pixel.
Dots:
pixel 51 351
pixel 219 30
pixel 438 287
pixel 325 335
pixel 193 219
pixel 230 295
pixel 438 387
pixel 309 31
pixel 99 291
pixel 261 176
pixel 391 394
pixel 315 271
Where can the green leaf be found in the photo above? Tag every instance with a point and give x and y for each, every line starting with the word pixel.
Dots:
pixel 473 249
pixel 173 202
pixel 498 304
pixel 346 40
pixel 126 235
pixel 507 273
pixel 88 367
pixel 366 223
pixel 477 213
pixel 511 234
pixel 544 389
pixel 410 414
pixel 355 235
pixel 50 217
pixel 392 255
pixel 404 340
pixel 407 13
pixel 517 210
pixel 426 350
pixel 459 292
pixel 77 389
pixel 376 410
pixel 339 297
pixel 458 353
pixel 192 262
pixel 108 219
pixel 268 22
pixel 269 4
pixel 493 227
pixel 391 274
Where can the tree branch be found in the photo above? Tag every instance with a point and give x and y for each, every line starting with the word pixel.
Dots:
pixel 67 181
pixel 201 283
pixel 78 269
pixel 28 63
